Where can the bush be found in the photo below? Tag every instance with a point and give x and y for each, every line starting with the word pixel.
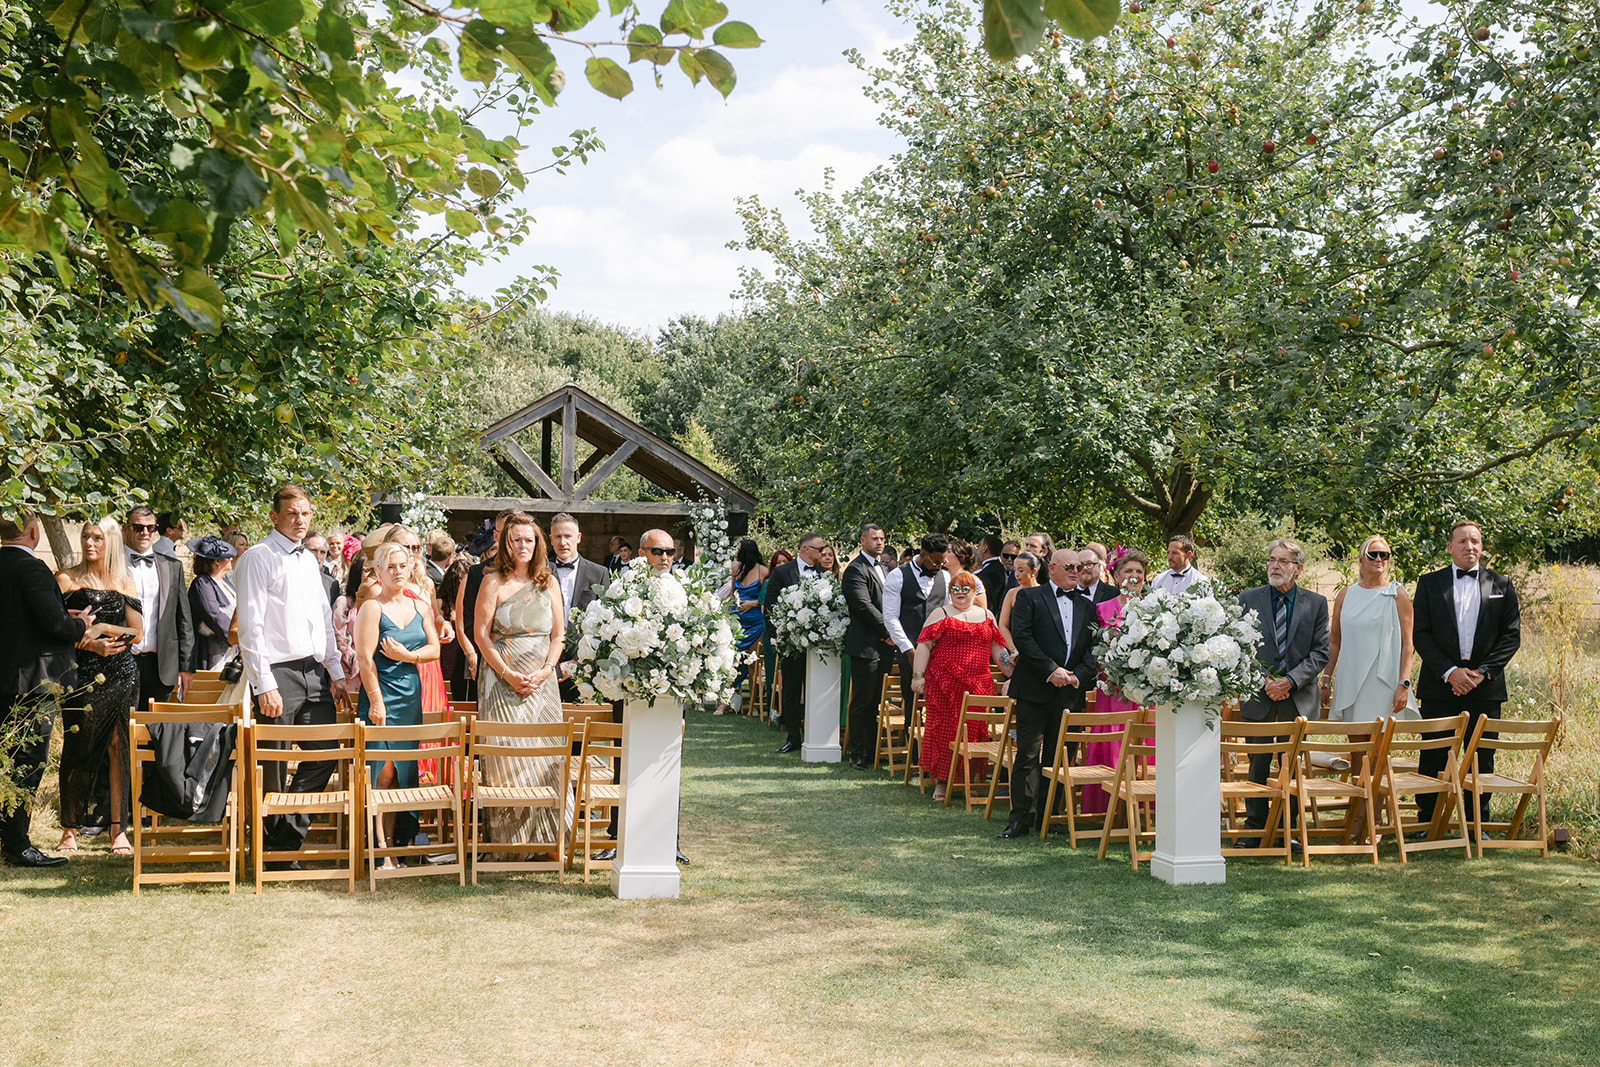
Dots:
pixel 1236 556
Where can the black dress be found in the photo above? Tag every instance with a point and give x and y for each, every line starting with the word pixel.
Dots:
pixel 108 687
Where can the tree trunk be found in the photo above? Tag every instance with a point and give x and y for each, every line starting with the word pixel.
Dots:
pixel 60 545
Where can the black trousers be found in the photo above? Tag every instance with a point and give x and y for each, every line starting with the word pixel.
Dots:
pixel 1255 808
pixel 793 716
pixel 307 701
pixel 1038 727
pixel 1433 760
pixel 866 686
pixel 150 687
pixel 35 717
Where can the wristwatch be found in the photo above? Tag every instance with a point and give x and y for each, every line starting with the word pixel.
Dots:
pixel 1406 683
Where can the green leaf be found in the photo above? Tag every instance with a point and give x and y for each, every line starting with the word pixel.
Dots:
pixel 736 35
pixel 483 182
pixel 690 66
pixel 147 27
pixel 196 299
pixel 234 186
pixel 270 17
pixel 573 14
pixel 464 223
pixel 641 39
pixel 63 17
pixel 334 35
pixel 1084 19
pixel 718 71
pixel 1011 27
pixel 514 12
pixel 525 52
pixel 676 19
pixel 618 7
pixel 608 77
pixel 706 12
pixel 93 174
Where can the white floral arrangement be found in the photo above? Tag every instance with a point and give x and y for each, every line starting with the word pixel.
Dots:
pixel 1186 649
pixel 709 519
pixel 809 616
pixel 652 635
pixel 419 514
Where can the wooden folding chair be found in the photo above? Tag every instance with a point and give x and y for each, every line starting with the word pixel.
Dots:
pixel 914 742
pixel 994 713
pixel 195 843
pixel 1136 794
pixel 1068 778
pixel 1535 737
pixel 204 692
pixel 1360 746
pixel 755 680
pixel 1406 742
pixel 1281 742
pixel 343 803
pixel 599 792
pixel 530 744
pixel 1003 762
pixel 446 799
pixel 890 746
pixel 208 676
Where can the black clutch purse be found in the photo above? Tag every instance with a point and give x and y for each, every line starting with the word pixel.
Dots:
pixel 233 670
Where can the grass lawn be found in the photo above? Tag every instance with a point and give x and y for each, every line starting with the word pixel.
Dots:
pixel 830 917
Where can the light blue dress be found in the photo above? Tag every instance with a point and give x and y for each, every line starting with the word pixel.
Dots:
pixel 1368 669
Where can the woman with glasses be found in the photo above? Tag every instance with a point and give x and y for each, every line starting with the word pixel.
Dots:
pixel 1369 640
pixel 954 650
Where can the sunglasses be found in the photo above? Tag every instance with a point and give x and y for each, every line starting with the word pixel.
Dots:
pixel 1008 556
pixel 142 527
pixel 1068 566
pixel 954 589
pixel 661 551
pixel 1377 556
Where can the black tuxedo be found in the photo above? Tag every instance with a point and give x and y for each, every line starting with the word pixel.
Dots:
pixel 792 668
pixel 866 642
pixel 590 574
pixel 36 648
pixel 992 573
pixel 1103 591
pixel 1042 647
pixel 1437 641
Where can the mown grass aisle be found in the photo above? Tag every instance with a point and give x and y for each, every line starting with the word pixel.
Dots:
pixel 830 917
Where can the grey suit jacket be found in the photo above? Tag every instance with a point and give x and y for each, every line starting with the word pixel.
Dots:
pixel 173 622
pixel 1308 649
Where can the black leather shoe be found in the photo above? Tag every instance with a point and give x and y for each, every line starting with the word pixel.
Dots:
pixel 1013 830
pixel 282 865
pixel 861 765
pixel 605 855
pixel 787 747
pixel 32 857
pixel 1249 842
pixel 682 858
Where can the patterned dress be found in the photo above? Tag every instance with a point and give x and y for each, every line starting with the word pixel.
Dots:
pixel 958 665
pixel 108 688
pixel 521 632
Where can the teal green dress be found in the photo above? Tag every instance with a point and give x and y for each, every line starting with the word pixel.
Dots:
pixel 402 694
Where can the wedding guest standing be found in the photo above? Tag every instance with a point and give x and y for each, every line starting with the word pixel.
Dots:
pixel 954 651
pixel 37 635
pixel 1055 666
pixel 792 668
pixel 172 531
pixel 828 559
pixel 1467 628
pixel 96 717
pixel 291 659
pixel 394 633
pixel 1181 572
pixel 422 589
pixel 1369 641
pixel 211 601
pixel 1091 563
pixel 1025 572
pixel 911 592
pixel 441 548
pixel 317 545
pixel 451 663
pixel 1040 544
pixel 743 592
pixel 1131 570
pixel 992 570
pixel 165 651
pixel 577 578
pixel 467 608
pixel 1293 651
pixel 1008 557
pixel 867 643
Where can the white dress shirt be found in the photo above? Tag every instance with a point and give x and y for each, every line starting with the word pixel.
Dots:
pixel 1177 582
pixel 283 611
pixel 567 578
pixel 1469 598
pixel 893 586
pixel 1064 607
pixel 147 579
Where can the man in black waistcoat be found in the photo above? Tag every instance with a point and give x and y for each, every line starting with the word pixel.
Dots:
pixel 792 669
pixel 37 655
pixel 912 592
pixel 1054 632
pixel 867 644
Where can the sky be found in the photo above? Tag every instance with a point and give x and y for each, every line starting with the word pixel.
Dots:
pixel 639 234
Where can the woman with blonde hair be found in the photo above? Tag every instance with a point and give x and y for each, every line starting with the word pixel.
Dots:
pixel 420 586
pixel 1369 640
pixel 96 715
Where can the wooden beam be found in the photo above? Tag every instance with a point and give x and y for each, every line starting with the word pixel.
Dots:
pixel 515 475
pixel 544 445
pixel 592 462
pixel 569 444
pixel 489 505
pixel 618 458
pixel 521 420
pixel 531 469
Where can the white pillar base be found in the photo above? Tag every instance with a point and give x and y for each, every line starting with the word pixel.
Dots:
pixel 647 824
pixel 820 743
pixel 1188 799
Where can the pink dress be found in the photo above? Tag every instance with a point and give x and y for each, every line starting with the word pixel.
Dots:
pixel 958 665
pixel 1096 753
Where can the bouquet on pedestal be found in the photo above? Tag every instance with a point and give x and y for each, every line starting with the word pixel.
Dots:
pixel 651 635
pixel 809 616
pixel 1189 649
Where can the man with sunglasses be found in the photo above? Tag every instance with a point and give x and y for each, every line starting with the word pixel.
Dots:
pixel 1008 559
pixel 165 654
pixel 792 669
pixel 1467 627
pixel 1293 651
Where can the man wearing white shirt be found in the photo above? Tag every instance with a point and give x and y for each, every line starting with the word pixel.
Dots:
pixel 577 578
pixel 1183 572
pixel 911 592
pixel 287 643
pixel 792 669
pixel 165 654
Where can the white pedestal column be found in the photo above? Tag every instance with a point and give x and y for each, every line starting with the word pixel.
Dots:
pixel 821 741
pixel 1188 799
pixel 647 824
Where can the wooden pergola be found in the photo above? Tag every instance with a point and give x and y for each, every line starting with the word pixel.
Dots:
pixel 563 479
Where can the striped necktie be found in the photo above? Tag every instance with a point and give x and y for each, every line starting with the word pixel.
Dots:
pixel 1280 626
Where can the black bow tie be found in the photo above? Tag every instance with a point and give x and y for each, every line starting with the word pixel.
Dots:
pixel 1181 574
pixel 297 549
pixel 1064 592
pixel 565 565
pixel 147 561
pixel 1473 574
pixel 927 574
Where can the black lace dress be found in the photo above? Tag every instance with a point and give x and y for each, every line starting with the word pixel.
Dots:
pixel 108 687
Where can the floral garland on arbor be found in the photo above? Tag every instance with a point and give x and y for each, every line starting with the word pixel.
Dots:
pixel 418 513
pixel 709 520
